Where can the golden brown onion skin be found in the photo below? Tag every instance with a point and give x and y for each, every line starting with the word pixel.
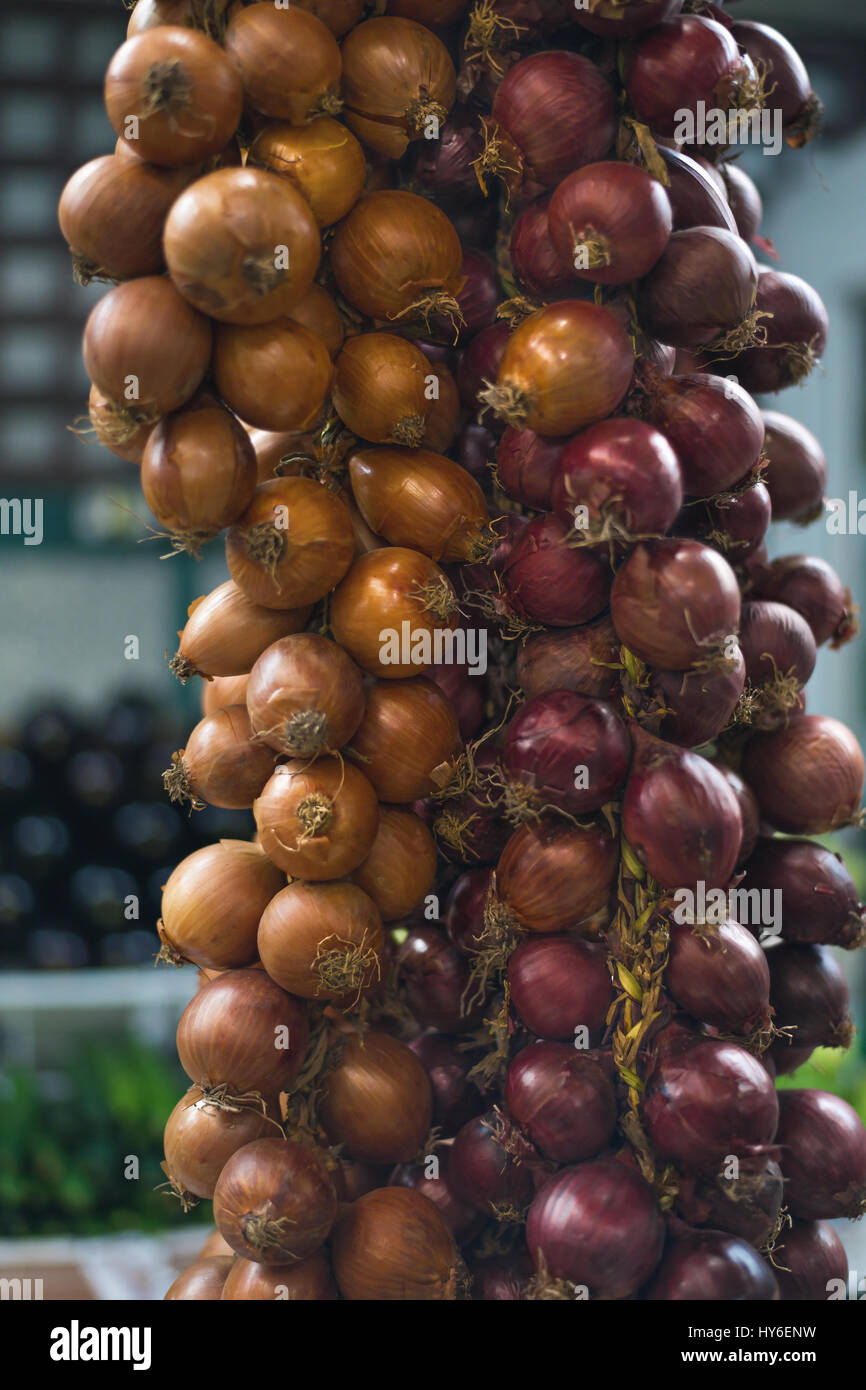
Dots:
pixel 112 212
pixel 292 545
pixel 322 160
pixel 317 821
pixel 212 902
pixel 392 250
pixel 231 1034
pixel 398 83
pixel 422 500
pixel 807 775
pixel 275 376
pixel 223 691
pixel 377 1103
pixel 400 869
pixel 322 941
pixel 310 1280
pixel 275 1201
pixel 382 590
pixel 318 312
pixel 552 875
pixel 202 1281
pixel 305 696
pixel 225 633
pixel 221 765
pixel 287 59
pixel 381 389
pixel 407 738
pixel 392 1244
pixel 200 1138
pixel 198 472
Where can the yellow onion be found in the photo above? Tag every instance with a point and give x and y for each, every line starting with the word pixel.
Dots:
pixel 275 1201
pixel 220 765
pixel 322 941
pixel 382 591
pixel 112 212
pixel 382 387
pixel 407 739
pixel 397 256
pixel 106 424
pixel 305 696
pixel 443 418
pixel 225 633
pixel 275 376
pixel 292 544
pixel 202 1281
pixel 318 312
pixel 173 95
pixel 309 1281
pixel 147 14
pixel 322 160
pixel 242 245
pixel 365 539
pixel 399 871
pixel 146 351
pixel 272 447
pixel 214 1245
pixel 392 1244
pixel 339 15
pixel 212 903
pixel 288 61
pixel 223 691
pixel 198 473
pixel 317 821
pixel 399 84
pixel 201 1135
pixel 377 1101
pixel 416 498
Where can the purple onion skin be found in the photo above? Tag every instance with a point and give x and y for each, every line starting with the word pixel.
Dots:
pixel 597 1225
pixel 739 525
pixel 709 1266
pixel 809 994
pixel 634 19
pixel 479 362
pixel 464 914
pixel 537 268
pixel 812 1263
pixel 501 1279
pixel 720 976
pixel 551 584
pixel 474 446
pixel 823 1145
pixel 559 984
pixel 435 977
pixel 563 1101
pixel 785 1058
pixel 819 897
pixel 701 703
pixel 553 736
pixel 715 428
pixel 463 1221
pixel 527 463
pixel 478 299
pixel 707 1100
pixel 680 816
pixel 456 1099
pixel 482 1173
pixel 573 658
pixel 749 811
pixel 695 200
pixel 443 168
pixel 745 201
pixel 747 1206
pixel 623 468
pixel 812 587
pixel 766 45
pixel 798 317
pixel 675 304
pixel 774 632
pixel 797 472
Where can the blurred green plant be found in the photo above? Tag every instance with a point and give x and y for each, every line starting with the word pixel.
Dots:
pixel 833 1069
pixel 68 1135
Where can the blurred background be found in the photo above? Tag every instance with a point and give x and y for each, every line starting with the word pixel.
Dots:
pixel 88 1071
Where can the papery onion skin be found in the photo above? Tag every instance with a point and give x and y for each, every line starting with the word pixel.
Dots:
pixel 552 875
pixel 309 1280
pixel 200 1138
pixel 807 776
pixel 462 1220
pixel 674 602
pixel 598 1226
pixel 339 15
pixel 813 588
pixel 708 1266
pixel 377 1102
pixel 575 658
pixel 283 1184
pixel 738 525
pixel 559 984
pixel 479 363
pixel 682 62
pixel 198 472
pixel 610 221
pixel 797 471
pixel 421 500
pixel 749 811
pixel 381 389
pixel 443 168
pixel 212 902
pixel 706 1100
pixel 700 290
pixel 407 738
pixel 775 641
pixel 456 1099
pixel 681 817
pixel 202 1281
pixel 292 544
pixel 823 1145
pixel 549 582
pixel 699 704
pixel 392 1244
pixel 809 993
pixel 486 1168
pixel 288 61
pixel 745 201
pixel 797 329
pixel 305 695
pixel 719 975
pixel 818 893
pixel 322 941
pixel 223 691
pixel 562 1100
pixel 383 590
pixel 253 366
pixel 792 93
pixel 322 160
pixel 571 752
pixel 535 262
pixel 103 417
pixel 622 20
pixel 810 1259
pixel 397 75
pixel 400 869
pixel 622 472
pixel 747 1206
pixel 112 212
pixel 713 425
pixel 464 916
pixel 227 1035
pixel 526 463
pixel 225 634
pixel 317 311
pixel 436 980
pixel 694 198
pixel 182 91
pixel 221 765
pixel 317 822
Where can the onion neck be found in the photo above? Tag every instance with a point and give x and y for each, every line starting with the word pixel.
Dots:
pixel 509 403
pixel 166 88
pixel 177 783
pixel 409 431
pixel 315 815
pixel 305 733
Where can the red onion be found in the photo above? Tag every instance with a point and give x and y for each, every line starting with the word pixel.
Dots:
pixel 744 201
pixel 785 1058
pixel 464 916
pixel 552 875
pixel 714 426
pixel 467 695
pixel 574 658
pixel 478 299
pixel 797 471
pixel 456 1099
pixel 463 1221
pixel 562 1100
pixel 556 111
pixel 558 985
pixel 694 198
pixel 699 703
pixel 501 1278
pixel 681 63
pixel 476 224
pixel 680 816
pixel 749 810
pixel 469 829
pixel 474 446
pixel 796 334
pixel 710 1266
pixel 819 895
pixel 436 977
pixel 622 19
pixel 526 463
pixel 479 363
pixel 755 569
pixel 569 751
pixel 610 222
pixel 779 651
pixel 807 776
pixel 809 585
pixel 597 1226
pixel 486 1168
pixel 676 603
pixel 719 975
pixel 739 523
pixel 701 292
pixel 536 263
pixel 549 582
pixel 823 1145
pixel 443 168
pixel 809 993
pixel 788 81
pixel 707 1099
pixel 811 1262
pixel 617 481
pixel 746 1206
